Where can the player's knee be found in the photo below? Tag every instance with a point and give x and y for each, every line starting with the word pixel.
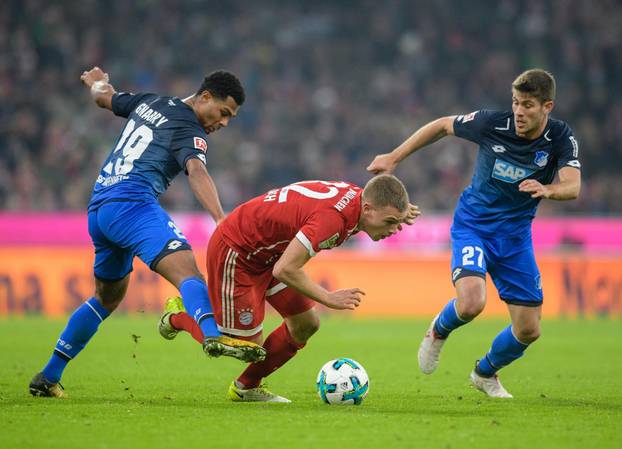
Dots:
pixel 302 331
pixel 110 294
pixel 471 305
pixel 527 334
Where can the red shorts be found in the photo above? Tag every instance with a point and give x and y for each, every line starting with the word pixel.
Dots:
pixel 238 293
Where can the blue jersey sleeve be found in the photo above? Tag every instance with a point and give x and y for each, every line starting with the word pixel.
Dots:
pixel 189 142
pixel 473 126
pixel 123 103
pixel 568 149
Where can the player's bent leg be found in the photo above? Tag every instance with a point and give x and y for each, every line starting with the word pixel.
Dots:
pixel 507 347
pixel 180 269
pixel 303 325
pixel 471 290
pixel 175 319
pixel 282 345
pixel 81 327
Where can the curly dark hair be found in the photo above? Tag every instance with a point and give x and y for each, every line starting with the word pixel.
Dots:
pixel 222 84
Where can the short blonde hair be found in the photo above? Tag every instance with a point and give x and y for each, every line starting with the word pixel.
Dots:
pixel 386 190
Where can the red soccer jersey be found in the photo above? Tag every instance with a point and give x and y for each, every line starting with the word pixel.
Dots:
pixel 321 214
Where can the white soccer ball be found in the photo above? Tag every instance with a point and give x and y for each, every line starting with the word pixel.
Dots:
pixel 342 381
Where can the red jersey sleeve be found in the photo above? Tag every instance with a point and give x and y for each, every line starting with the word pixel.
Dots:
pixel 324 229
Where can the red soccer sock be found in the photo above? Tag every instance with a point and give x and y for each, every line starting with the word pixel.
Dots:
pixel 280 347
pixel 184 322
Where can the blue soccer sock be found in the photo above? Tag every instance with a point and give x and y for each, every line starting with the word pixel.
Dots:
pixel 196 301
pixel 81 326
pixel 448 320
pixel 505 349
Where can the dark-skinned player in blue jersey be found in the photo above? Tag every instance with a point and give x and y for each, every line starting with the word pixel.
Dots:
pixel 162 137
pixel 520 154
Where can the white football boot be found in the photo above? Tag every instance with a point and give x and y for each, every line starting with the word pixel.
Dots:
pixel 489 385
pixel 430 349
pixel 258 394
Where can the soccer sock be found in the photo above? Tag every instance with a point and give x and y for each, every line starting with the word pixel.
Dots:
pixel 448 320
pixel 196 301
pixel 505 349
pixel 81 326
pixel 183 321
pixel 280 347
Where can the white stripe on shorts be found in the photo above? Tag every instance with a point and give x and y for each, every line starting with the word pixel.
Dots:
pixel 277 288
pixel 228 284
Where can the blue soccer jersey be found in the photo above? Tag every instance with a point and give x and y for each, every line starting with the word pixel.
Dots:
pixel 160 136
pixel 492 204
pixel 492 223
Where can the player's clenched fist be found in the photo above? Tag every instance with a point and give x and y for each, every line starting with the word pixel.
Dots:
pixel 383 163
pixel 88 77
pixel 345 299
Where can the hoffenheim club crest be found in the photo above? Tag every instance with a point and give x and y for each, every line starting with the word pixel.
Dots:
pixel 542 157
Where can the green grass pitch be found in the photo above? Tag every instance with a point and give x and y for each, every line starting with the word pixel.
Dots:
pixel 145 392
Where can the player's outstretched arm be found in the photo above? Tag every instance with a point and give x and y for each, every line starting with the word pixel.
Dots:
pixel 427 134
pixel 204 189
pixel 101 89
pixel 288 269
pixel 567 188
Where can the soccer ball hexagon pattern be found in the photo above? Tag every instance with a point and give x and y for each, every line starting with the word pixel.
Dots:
pixel 342 381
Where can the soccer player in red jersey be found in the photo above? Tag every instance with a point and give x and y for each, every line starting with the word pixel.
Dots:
pixel 258 252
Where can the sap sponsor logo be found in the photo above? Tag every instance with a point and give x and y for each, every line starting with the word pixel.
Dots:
pixel 467 118
pixel 506 172
pixel 498 149
pixel 200 144
pixel 575 163
pixel 246 317
pixel 538 280
pixel 455 274
pixel 202 158
pixel 174 244
pixel 542 157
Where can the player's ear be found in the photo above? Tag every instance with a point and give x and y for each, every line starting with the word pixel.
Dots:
pixel 206 95
pixel 548 106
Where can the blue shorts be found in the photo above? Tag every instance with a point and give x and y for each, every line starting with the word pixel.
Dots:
pixel 509 261
pixel 121 230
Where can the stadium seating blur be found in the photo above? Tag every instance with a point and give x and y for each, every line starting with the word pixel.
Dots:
pixel 329 84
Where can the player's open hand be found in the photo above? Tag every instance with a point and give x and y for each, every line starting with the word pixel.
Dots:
pixel 383 163
pixel 345 299
pixel 412 213
pixel 88 77
pixel 535 188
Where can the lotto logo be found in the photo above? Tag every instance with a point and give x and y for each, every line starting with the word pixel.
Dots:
pixel 506 172
pixel 200 144
pixel 456 273
pixel 174 244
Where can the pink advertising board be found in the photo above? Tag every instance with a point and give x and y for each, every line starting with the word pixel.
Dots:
pixel 430 233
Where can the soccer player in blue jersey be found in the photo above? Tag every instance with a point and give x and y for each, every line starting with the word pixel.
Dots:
pixel 162 137
pixel 520 153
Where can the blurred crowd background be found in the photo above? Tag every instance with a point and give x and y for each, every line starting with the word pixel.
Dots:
pixel 329 84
